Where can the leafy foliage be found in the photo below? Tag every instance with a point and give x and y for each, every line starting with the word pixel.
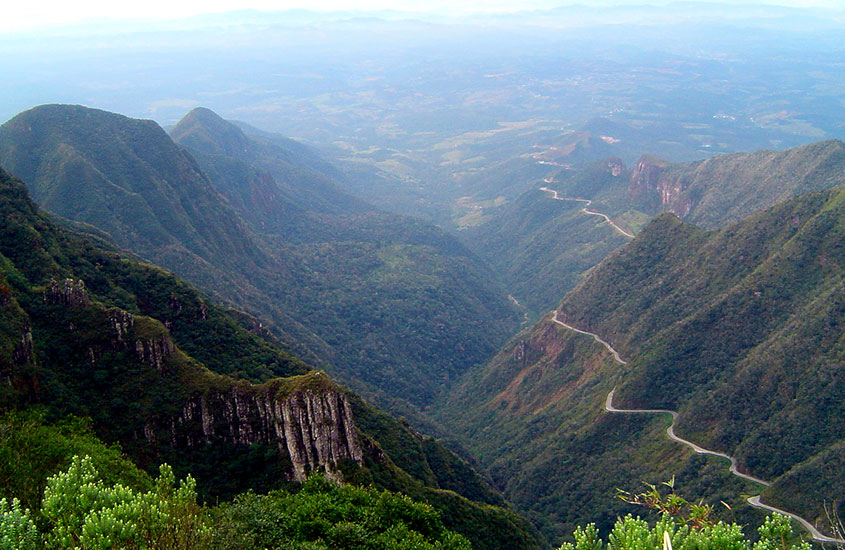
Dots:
pixel 17 530
pixel 32 449
pixel 634 533
pixel 323 515
pixel 84 513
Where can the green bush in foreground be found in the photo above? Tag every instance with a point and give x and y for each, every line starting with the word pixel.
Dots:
pixel 85 513
pixel 17 530
pixel 323 515
pixel 630 533
pixel 80 511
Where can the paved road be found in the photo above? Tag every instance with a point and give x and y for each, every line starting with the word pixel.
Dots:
pixel 557 197
pixel 519 305
pixel 670 432
pixel 595 337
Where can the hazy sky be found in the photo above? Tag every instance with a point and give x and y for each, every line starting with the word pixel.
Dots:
pixel 36 14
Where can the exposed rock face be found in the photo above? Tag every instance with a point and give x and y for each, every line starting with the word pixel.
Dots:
pixel 313 429
pixel 70 292
pixel 519 352
pixel 652 184
pixel 616 166
pixel 154 351
pixel 121 322
pixel 307 419
pixel 24 352
pixel 645 179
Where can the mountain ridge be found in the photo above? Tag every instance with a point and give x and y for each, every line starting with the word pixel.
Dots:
pixel 387 303
pixel 735 328
pixel 112 347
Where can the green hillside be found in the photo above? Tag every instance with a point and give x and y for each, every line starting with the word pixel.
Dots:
pixel 727 188
pixel 737 329
pixel 386 302
pixel 543 250
pixel 543 247
pixel 166 373
pixel 277 186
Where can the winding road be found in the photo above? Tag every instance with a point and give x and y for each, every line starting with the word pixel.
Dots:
pixel 670 432
pixel 588 202
pixel 595 337
pixel 519 305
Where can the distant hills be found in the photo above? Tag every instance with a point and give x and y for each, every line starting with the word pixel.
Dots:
pixel 737 328
pixel 392 304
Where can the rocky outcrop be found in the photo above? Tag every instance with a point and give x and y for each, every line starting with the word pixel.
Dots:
pixel 154 351
pixel 645 179
pixel 654 185
pixel 70 292
pixel 616 166
pixel 24 352
pixel 312 427
pixel 121 323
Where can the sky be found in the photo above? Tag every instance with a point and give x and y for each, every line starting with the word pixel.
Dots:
pixel 50 13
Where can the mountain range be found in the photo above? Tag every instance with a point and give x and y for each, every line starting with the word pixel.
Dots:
pixel 390 304
pixel 164 372
pixel 543 248
pixel 738 329
pixel 712 288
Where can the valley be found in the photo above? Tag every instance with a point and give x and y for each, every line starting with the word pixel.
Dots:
pixel 585 210
pixel 507 414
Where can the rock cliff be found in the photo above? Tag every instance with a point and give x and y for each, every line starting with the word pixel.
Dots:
pixel 307 418
pixel 24 351
pixel 69 292
pixel 312 426
pixel 654 186
pixel 727 188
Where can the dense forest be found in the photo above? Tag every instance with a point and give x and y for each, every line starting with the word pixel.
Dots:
pixel 98 360
pixel 735 328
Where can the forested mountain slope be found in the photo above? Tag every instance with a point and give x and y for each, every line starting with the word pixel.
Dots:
pixel 172 377
pixel 738 329
pixel 237 163
pixel 371 273
pixel 390 303
pixel 543 250
pixel 542 247
pixel 727 188
pixel 126 178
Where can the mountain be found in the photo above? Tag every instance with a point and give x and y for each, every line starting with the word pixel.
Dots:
pixel 372 271
pixel 386 302
pixel 303 182
pixel 738 329
pixel 728 188
pixel 126 178
pixel 543 248
pixel 170 376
